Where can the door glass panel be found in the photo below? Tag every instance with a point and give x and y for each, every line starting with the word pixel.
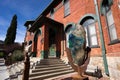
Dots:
pixel 52 50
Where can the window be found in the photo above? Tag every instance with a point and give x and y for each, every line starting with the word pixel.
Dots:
pixel 119 4
pixel 92 34
pixel 86 36
pixel 31 33
pixel 52 14
pixel 30 42
pixel 91 38
pixel 111 26
pixel 66 7
pixel 29 26
pixel 68 32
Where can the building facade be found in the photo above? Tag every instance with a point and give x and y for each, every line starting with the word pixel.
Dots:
pixel 48 29
pixel 100 18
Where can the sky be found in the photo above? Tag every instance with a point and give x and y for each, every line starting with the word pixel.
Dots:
pixel 24 9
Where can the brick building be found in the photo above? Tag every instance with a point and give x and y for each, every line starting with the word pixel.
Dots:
pixel 100 18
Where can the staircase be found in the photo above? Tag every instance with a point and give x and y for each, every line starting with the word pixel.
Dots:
pixel 2 62
pixel 49 69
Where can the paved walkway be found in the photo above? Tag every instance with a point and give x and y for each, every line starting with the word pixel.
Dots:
pixel 3 70
pixel 4 73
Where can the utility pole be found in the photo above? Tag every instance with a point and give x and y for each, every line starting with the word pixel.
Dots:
pixel 101 39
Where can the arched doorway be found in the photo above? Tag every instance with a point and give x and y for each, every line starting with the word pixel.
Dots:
pixel 37 33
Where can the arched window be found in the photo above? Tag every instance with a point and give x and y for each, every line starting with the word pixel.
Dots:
pixel 68 30
pixel 38 32
pixel 91 37
pixel 30 42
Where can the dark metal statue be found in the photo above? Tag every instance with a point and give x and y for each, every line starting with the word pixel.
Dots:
pixel 78 54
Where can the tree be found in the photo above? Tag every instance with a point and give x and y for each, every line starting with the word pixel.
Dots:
pixel 11 32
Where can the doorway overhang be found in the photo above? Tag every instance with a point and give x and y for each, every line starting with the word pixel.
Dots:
pixel 42 20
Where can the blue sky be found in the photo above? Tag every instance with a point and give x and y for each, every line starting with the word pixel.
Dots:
pixel 24 9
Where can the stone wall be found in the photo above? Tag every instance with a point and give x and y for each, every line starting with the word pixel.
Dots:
pixel 113 66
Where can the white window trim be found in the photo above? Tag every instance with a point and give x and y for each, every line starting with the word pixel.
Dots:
pixel 66 7
pixel 111 26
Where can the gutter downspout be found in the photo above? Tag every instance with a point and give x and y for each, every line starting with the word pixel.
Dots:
pixel 101 39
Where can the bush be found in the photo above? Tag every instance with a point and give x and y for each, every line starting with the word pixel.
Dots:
pixel 1 54
pixel 17 56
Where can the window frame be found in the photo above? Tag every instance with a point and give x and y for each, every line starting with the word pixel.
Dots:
pixel 90 42
pixel 89 34
pixel 52 14
pixel 111 27
pixel 67 33
pixel 66 7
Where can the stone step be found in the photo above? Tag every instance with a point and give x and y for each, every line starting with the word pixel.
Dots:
pixel 21 66
pixel 45 66
pixel 2 60
pixel 48 71
pixel 41 77
pixel 46 63
pixel 49 68
pixel 52 58
pixel 18 70
pixel 61 77
pixel 12 72
pixel 3 73
pixel 15 70
pixel 50 61
pixel 2 64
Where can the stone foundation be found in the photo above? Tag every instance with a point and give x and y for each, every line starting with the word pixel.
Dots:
pixel 113 66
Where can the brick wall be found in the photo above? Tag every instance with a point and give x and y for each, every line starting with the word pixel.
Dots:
pixel 78 9
pixel 112 50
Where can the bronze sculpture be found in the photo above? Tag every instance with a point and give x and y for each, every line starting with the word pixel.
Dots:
pixel 77 52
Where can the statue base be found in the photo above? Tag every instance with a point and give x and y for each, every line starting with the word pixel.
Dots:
pixel 76 77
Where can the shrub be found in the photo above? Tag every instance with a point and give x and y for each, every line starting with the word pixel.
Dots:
pixel 1 54
pixel 17 56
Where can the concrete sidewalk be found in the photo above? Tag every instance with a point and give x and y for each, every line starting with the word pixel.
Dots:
pixel 3 70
